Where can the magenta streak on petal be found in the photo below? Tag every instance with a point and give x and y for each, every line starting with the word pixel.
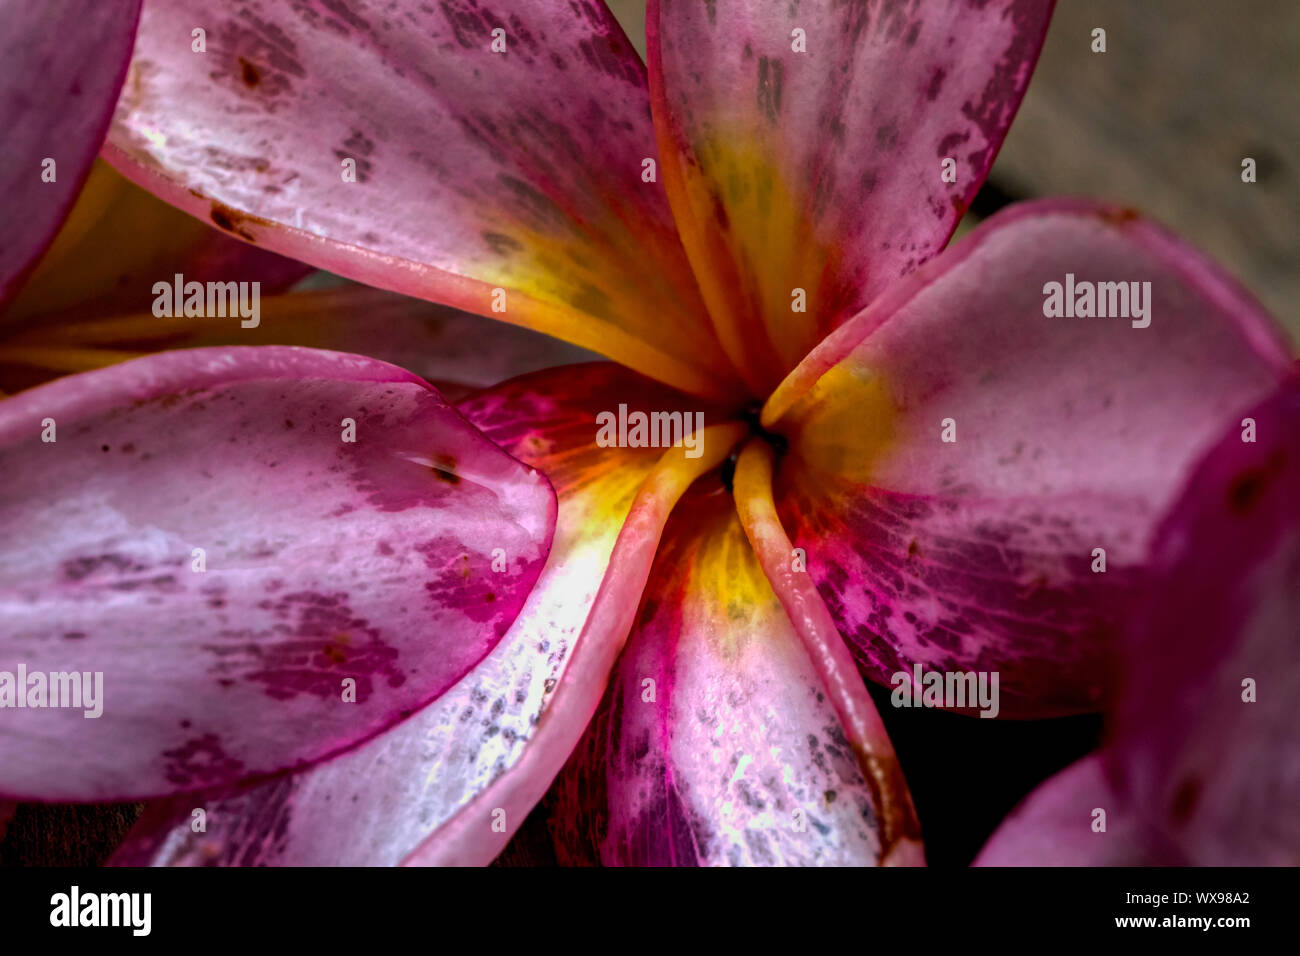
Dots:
pixel 230 662
pixel 374 804
pixel 978 555
pixel 734 755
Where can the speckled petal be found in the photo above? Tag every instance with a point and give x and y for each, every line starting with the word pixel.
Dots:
pixel 508 184
pixel 257 591
pixel 1071 434
pixel 715 743
pixel 804 146
pixel 374 805
pixel 864 730
pixel 64 61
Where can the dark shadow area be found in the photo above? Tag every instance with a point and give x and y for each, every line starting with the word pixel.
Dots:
pixel 46 834
pixel 992 197
pixel 967 773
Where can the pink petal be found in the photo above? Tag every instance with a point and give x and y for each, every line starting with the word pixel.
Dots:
pixel 1197 774
pixel 375 805
pixel 1217 776
pixel 1071 434
pixel 475 170
pixel 715 743
pixel 832 661
pixel 64 63
pixel 323 561
pixel 822 170
pixel 1059 825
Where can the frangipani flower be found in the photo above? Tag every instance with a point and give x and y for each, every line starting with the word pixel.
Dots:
pixel 904 460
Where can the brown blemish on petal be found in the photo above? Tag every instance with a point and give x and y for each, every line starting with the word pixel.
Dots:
pixel 895 814
pixel 1245 491
pixel 249 74
pixel 771 82
pixel 234 221
pixel 1119 216
pixel 444 469
pixel 334 650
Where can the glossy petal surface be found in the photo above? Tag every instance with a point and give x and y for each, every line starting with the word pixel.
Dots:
pixel 256 591
pixel 374 805
pixel 1216 773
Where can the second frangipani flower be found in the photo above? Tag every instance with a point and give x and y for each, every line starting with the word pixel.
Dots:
pixel 907 460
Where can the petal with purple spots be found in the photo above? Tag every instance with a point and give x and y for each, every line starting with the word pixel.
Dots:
pixel 257 591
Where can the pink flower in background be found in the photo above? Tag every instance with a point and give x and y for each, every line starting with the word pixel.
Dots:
pixel 1201 763
pixel 356 623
